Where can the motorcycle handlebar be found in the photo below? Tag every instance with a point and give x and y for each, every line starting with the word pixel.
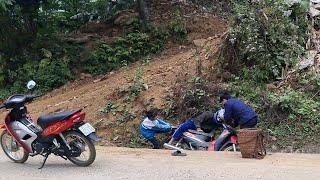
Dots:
pixel 229 128
pixel 28 98
pixel 32 97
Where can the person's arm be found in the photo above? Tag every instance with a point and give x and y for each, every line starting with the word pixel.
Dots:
pixel 207 115
pixel 161 126
pixel 232 123
pixel 227 112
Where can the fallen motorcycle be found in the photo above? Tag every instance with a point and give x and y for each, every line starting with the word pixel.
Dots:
pixel 198 140
pixel 63 134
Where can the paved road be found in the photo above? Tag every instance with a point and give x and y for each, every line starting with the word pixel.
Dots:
pixel 123 163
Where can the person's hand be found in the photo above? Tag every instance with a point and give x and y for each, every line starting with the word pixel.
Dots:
pixel 174 127
pixel 231 123
pixel 219 120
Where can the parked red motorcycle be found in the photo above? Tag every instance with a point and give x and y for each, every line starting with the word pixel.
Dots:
pixel 64 134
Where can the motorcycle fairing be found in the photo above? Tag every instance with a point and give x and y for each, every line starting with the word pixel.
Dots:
pixel 221 139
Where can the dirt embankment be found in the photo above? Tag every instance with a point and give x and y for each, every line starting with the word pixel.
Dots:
pixel 160 74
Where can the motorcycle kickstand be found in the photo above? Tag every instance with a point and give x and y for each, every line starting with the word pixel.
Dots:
pixel 44 161
pixel 64 158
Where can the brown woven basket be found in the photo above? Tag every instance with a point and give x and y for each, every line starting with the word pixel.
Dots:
pixel 251 143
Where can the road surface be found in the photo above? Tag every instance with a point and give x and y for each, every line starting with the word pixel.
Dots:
pixel 140 164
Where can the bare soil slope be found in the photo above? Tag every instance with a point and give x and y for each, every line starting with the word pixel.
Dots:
pixel 160 74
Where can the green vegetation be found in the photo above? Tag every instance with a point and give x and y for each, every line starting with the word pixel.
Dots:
pixel 137 86
pixel 266 38
pixel 137 141
pixel 178 30
pixel 33 43
pixel 122 113
pixel 289 114
pixel 122 51
pixel 265 42
pixel 111 107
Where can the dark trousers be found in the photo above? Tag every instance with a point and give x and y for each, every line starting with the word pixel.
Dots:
pixel 155 142
pixel 252 123
pixel 189 124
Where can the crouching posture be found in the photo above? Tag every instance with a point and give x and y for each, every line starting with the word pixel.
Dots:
pixel 151 125
pixel 206 121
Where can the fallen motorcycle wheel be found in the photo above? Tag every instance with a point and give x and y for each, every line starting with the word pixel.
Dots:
pixel 12 149
pixel 230 148
pixel 82 143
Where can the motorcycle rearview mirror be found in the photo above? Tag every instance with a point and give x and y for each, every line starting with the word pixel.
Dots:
pixel 31 84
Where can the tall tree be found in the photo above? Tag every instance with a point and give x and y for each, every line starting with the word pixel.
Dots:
pixel 143 13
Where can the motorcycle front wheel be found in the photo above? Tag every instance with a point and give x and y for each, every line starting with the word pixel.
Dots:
pixel 12 148
pixel 80 142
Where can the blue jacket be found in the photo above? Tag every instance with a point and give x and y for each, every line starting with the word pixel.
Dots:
pixel 238 111
pixel 149 128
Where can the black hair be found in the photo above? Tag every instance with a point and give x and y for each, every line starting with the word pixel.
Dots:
pixel 152 113
pixel 207 125
pixel 224 95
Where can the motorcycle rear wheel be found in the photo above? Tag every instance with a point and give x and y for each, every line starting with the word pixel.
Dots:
pixel 12 149
pixel 85 145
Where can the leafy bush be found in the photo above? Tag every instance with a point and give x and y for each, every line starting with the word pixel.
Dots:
pixel 49 69
pixel 137 87
pixel 249 92
pixel 110 107
pixel 309 81
pixel 297 104
pixel 137 141
pixel 216 6
pixel 303 120
pixel 65 16
pixel 191 97
pixel 122 51
pixel 121 112
pixel 125 116
pixel 178 30
pixel 267 37
pixel 52 73
pixel 197 94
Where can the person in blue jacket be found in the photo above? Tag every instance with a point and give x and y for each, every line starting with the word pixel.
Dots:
pixel 238 111
pixel 152 125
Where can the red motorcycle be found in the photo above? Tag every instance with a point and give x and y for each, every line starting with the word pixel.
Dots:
pixel 64 134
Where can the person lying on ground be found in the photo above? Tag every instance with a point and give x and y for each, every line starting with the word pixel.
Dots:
pixel 207 121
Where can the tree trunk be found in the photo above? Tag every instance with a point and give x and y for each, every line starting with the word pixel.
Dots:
pixel 143 13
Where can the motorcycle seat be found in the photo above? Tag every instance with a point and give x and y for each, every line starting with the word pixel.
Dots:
pixel 44 121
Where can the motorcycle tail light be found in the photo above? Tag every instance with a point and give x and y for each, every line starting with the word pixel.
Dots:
pixel 234 139
pixel 78 117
